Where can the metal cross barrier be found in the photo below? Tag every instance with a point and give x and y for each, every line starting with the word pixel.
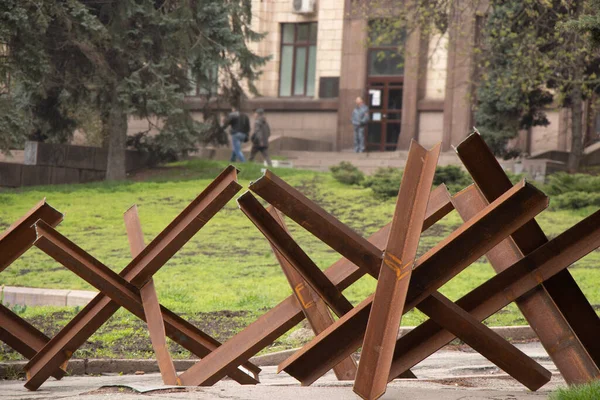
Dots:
pixel 122 290
pixel 498 222
pixel 14 242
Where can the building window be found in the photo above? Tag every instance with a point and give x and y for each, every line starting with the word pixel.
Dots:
pixel 298 59
pixel 386 43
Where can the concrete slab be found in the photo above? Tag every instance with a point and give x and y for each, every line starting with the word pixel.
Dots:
pixel 33 297
pixel 448 375
pixel 272 386
pixel 79 297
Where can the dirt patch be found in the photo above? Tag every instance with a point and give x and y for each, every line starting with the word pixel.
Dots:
pixel 24 271
pixel 150 173
pixel 456 382
pixel 110 390
pixel 221 325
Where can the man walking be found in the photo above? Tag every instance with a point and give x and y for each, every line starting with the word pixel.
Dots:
pixel 240 129
pixel 360 117
pixel 260 137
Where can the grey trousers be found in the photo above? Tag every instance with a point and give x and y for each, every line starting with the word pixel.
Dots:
pixel 264 151
pixel 359 139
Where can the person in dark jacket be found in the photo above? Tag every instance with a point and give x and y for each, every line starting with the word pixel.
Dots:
pixel 260 137
pixel 360 117
pixel 240 129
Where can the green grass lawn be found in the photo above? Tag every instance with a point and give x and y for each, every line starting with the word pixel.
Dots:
pixel 226 275
pixel 589 391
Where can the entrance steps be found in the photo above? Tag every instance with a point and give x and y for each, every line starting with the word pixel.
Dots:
pixel 366 162
pixel 323 160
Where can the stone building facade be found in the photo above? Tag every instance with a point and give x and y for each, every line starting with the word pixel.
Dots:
pixel 320 62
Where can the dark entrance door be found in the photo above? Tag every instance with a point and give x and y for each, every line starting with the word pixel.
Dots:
pixel 385 107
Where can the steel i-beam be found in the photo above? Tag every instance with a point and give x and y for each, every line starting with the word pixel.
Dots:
pixel 395 271
pixel 293 253
pixel 319 222
pixel 14 242
pixel 288 313
pixel 101 308
pixel 113 285
pixel 314 308
pixel 509 285
pixel 432 270
pixel 560 298
pixel 23 337
pixel 485 341
pixel 20 236
pixel 154 319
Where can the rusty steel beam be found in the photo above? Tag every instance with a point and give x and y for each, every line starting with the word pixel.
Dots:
pixel 568 300
pixel 156 325
pixel 314 308
pixel 288 313
pixel 507 253
pixel 507 286
pixel 23 337
pixel 395 272
pixel 485 341
pixel 431 271
pixel 318 222
pixel 183 227
pixel 279 238
pixel 101 308
pixel 19 237
pixel 117 288
pixel 14 242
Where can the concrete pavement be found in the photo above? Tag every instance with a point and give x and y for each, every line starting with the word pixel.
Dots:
pixel 447 375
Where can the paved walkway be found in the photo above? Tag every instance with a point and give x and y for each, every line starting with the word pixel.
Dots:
pixel 448 375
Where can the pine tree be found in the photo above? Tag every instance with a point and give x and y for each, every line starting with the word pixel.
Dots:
pixel 122 58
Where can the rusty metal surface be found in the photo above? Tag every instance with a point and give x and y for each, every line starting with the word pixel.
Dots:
pixel 288 313
pixel 319 222
pixel 537 307
pixel 183 227
pixel 293 253
pixel 19 237
pixel 568 302
pixel 485 341
pixel 22 336
pixel 154 320
pixel 314 308
pixel 14 242
pixel 117 288
pixel 395 272
pixel 101 308
pixel 432 270
pixel 493 295
pixel 498 222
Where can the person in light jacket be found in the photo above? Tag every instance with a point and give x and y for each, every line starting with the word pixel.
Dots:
pixel 360 118
pixel 260 137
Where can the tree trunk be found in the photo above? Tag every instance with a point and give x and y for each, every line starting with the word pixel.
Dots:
pixel 105 118
pixel 577 129
pixel 117 130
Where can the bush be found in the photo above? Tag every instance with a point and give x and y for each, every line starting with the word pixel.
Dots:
pixel 453 176
pixel 574 200
pixel 562 182
pixel 515 178
pixel 385 182
pixel 347 173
